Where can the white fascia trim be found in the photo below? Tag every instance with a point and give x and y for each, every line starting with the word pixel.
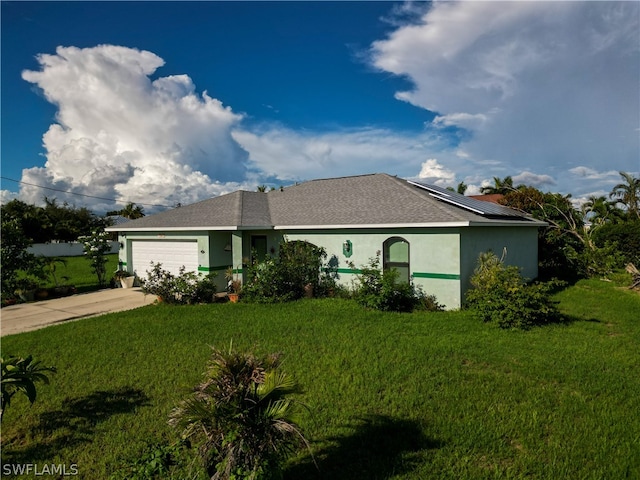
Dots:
pixel 171 229
pixel 372 225
pixel 498 223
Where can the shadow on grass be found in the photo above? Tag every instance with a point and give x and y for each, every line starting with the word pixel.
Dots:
pixel 569 319
pixel 73 424
pixel 378 448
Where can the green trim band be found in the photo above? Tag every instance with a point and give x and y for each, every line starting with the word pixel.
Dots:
pixel 354 271
pixel 439 276
pixel 219 268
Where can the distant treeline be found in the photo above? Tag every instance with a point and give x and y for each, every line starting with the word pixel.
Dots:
pixel 53 222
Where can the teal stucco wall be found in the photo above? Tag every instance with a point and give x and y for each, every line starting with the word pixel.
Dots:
pixel 434 255
pixel 441 260
pixel 518 246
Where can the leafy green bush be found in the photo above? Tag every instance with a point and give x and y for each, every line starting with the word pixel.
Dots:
pixel 626 235
pixel 294 273
pixel 156 462
pixel 500 295
pixel 14 256
pixel 184 288
pixel 96 247
pixel 599 261
pixel 381 290
pixel 239 417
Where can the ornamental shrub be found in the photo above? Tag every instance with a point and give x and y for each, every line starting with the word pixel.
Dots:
pixel 184 288
pixel 296 270
pixel 625 235
pixel 381 290
pixel 96 247
pixel 500 295
pixel 14 256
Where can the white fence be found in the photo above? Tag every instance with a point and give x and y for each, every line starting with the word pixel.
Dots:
pixel 63 249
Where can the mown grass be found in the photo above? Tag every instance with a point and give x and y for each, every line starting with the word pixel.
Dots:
pixel 412 396
pixel 79 274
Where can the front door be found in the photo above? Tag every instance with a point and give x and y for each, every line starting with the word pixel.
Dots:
pixel 258 248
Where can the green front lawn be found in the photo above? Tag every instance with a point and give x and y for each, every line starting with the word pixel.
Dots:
pixel 78 269
pixel 77 272
pixel 416 396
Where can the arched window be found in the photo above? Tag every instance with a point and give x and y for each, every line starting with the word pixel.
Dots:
pixel 396 255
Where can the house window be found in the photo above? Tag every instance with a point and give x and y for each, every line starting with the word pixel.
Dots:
pixel 396 255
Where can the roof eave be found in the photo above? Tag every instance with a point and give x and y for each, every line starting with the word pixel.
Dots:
pixel 372 225
pixel 507 223
pixel 474 223
pixel 175 229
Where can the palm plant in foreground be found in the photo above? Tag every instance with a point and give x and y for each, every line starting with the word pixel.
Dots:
pixel 21 375
pixel 240 416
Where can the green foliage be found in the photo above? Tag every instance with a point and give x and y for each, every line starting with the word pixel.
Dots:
pixel 52 222
pixel 14 255
pixel 20 375
pixel 381 290
pixel 79 273
pixel 156 462
pixel 628 194
pixel 183 289
pixel 298 269
pixel 240 416
pixel 500 186
pixel 563 240
pixel 96 247
pixel 501 296
pixel 596 261
pixel 50 266
pixel 626 236
pixel 130 211
pixel 567 247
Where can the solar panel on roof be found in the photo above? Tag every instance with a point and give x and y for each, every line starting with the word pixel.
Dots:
pixel 471 204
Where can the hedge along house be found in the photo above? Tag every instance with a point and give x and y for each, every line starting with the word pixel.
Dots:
pixel 430 235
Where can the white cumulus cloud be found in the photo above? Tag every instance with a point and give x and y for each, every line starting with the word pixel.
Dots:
pixel 120 134
pixel 542 86
pixel 301 155
pixel 432 172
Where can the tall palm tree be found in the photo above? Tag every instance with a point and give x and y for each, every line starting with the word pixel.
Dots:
pixel 132 211
pixel 628 194
pixel 499 186
pixel 599 210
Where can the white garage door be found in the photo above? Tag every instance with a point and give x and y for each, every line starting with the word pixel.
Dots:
pixel 171 254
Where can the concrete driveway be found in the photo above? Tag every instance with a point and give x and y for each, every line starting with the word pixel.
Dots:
pixel 32 316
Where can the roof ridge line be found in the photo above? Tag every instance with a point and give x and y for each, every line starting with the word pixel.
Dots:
pixel 240 207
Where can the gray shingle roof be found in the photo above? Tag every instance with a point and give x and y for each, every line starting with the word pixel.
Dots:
pixel 363 200
pixel 237 209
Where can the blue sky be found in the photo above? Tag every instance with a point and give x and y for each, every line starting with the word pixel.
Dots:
pixel 160 103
